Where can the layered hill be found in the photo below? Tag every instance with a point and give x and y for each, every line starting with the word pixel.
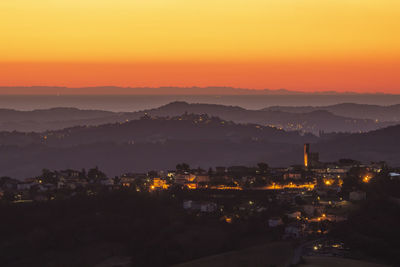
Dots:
pixel 200 140
pixel 308 121
pixel 149 143
pixel 156 130
pixel 382 144
pixel 361 111
pixel 314 121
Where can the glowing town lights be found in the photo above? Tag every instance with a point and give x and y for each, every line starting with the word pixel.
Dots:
pixel 275 186
pixel 191 186
pixel 367 178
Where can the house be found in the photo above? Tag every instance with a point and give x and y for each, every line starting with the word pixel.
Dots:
pixel 357 196
pixel 201 206
pixel 394 175
pixel 336 218
pixel 292 175
pixel 191 185
pixel 309 209
pixel 107 182
pixel 25 185
pixel 275 221
pixel 171 173
pixel 208 207
pixel 8 183
pixel 294 215
pixel 187 204
pixel 294 230
pixel 127 181
pixel 181 179
pixel 202 178
pixel 159 183
pixel 220 170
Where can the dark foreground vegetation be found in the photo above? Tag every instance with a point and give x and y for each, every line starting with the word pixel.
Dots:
pixel 373 230
pixel 153 229
pixel 150 230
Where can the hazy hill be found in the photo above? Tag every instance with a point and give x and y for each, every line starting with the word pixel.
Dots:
pixel 51 119
pixel 309 121
pixel 382 144
pixel 148 143
pixel 200 140
pixel 362 111
pixel 155 130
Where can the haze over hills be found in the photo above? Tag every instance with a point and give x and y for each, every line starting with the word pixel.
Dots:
pixel 382 144
pixel 156 130
pixel 51 119
pixel 200 140
pixel 313 120
pixel 145 144
pixel 360 111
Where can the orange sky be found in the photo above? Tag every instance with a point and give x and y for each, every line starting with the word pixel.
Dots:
pixel 307 45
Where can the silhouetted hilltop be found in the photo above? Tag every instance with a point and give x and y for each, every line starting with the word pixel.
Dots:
pixel 309 121
pixel 154 130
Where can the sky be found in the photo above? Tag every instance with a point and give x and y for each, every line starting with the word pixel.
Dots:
pixel 306 45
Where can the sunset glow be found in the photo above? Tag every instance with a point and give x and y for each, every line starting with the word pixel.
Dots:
pixel 308 45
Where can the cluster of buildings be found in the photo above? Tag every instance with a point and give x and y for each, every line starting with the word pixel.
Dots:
pixel 312 175
pixel 298 200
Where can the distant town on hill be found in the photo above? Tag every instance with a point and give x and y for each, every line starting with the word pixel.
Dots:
pixel 338 118
pixel 201 140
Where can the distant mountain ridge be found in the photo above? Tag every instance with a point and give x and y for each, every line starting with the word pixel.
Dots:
pixel 115 90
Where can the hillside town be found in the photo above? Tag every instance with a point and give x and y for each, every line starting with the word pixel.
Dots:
pixel 300 202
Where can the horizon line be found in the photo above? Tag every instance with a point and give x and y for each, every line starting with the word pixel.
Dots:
pixel 235 90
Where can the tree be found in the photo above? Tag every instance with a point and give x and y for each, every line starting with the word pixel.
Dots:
pixel 96 174
pixel 48 176
pixel 263 167
pixel 152 174
pixel 184 167
pixel 83 173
